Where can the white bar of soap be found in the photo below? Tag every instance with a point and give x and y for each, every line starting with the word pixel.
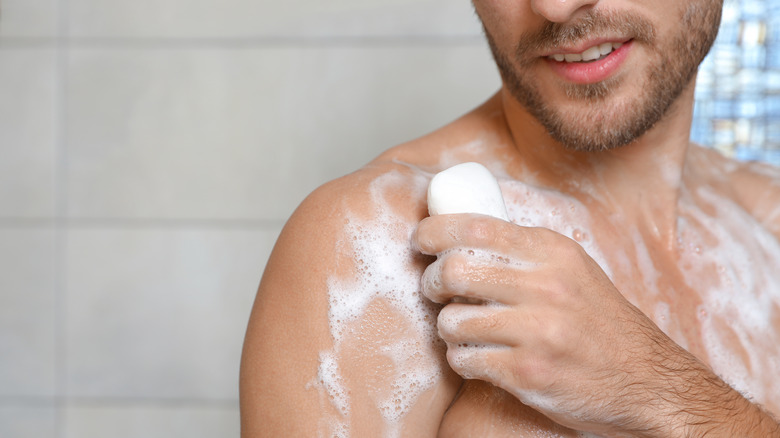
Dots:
pixel 466 188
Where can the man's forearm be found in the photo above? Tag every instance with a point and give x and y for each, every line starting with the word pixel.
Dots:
pixel 702 404
pixel 729 416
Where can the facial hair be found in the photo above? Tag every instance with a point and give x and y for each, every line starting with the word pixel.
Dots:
pixel 601 121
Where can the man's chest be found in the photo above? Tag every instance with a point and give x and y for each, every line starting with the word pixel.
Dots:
pixel 714 288
pixel 717 294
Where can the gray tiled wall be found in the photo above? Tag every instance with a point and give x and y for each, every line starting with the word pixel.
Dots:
pixel 150 151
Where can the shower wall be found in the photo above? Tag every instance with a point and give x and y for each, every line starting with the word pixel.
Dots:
pixel 150 152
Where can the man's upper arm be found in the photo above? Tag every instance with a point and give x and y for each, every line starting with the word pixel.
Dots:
pixel 330 350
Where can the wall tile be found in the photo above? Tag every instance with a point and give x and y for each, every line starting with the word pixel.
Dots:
pixel 27 310
pixel 160 312
pixel 28 18
pixel 266 18
pixel 25 421
pixel 27 129
pixel 151 421
pixel 245 133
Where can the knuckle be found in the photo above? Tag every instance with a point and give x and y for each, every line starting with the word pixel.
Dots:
pixel 559 291
pixel 534 238
pixel 571 250
pixel 454 270
pixel 492 322
pixel 480 229
pixel 554 337
pixel 555 290
pixel 564 247
pixel 535 374
pixel 531 370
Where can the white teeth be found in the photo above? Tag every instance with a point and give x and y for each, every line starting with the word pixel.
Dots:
pixel 590 54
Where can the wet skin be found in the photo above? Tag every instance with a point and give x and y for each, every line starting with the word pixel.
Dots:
pixel 657 255
pixel 671 280
pixel 674 281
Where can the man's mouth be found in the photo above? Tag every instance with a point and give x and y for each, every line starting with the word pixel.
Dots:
pixel 594 53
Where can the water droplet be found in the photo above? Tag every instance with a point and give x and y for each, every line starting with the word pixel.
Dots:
pixel 579 235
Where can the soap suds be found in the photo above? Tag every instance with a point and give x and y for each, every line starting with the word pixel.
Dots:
pixel 727 258
pixel 466 357
pixel 648 272
pixel 384 272
pixel 329 376
pixel 740 300
pixel 531 206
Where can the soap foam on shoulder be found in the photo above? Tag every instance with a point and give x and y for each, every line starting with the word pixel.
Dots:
pixel 385 271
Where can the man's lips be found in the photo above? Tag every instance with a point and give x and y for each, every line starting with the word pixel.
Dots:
pixel 593 52
pixel 593 64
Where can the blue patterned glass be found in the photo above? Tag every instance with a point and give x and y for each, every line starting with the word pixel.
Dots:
pixel 738 87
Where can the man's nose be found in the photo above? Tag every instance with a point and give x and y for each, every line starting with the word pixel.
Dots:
pixel 560 11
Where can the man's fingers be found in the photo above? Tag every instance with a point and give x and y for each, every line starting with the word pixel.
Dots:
pixel 475 274
pixel 436 234
pixel 478 361
pixel 492 324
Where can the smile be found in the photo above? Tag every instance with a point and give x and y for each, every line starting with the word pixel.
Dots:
pixel 594 53
pixel 594 64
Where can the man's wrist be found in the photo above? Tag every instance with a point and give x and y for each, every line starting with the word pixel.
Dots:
pixel 737 418
pixel 714 409
pixel 687 399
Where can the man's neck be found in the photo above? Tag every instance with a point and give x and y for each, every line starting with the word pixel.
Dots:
pixel 639 183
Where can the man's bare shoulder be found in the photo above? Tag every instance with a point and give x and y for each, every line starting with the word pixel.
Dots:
pixel 397 179
pixel 382 186
pixel 754 185
pixel 480 135
pixel 387 195
pixel 341 290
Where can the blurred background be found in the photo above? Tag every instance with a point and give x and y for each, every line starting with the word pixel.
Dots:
pixel 151 150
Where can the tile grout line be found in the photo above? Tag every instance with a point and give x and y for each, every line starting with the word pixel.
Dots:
pixel 128 223
pixel 259 42
pixel 183 402
pixel 60 225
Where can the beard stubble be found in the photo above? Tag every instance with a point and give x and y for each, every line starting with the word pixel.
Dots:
pixel 600 122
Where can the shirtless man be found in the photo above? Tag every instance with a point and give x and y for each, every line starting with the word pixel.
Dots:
pixel 636 291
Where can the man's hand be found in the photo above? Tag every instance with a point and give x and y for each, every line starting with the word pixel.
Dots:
pixel 529 311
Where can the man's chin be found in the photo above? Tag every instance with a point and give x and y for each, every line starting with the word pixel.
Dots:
pixel 591 126
pixel 592 93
